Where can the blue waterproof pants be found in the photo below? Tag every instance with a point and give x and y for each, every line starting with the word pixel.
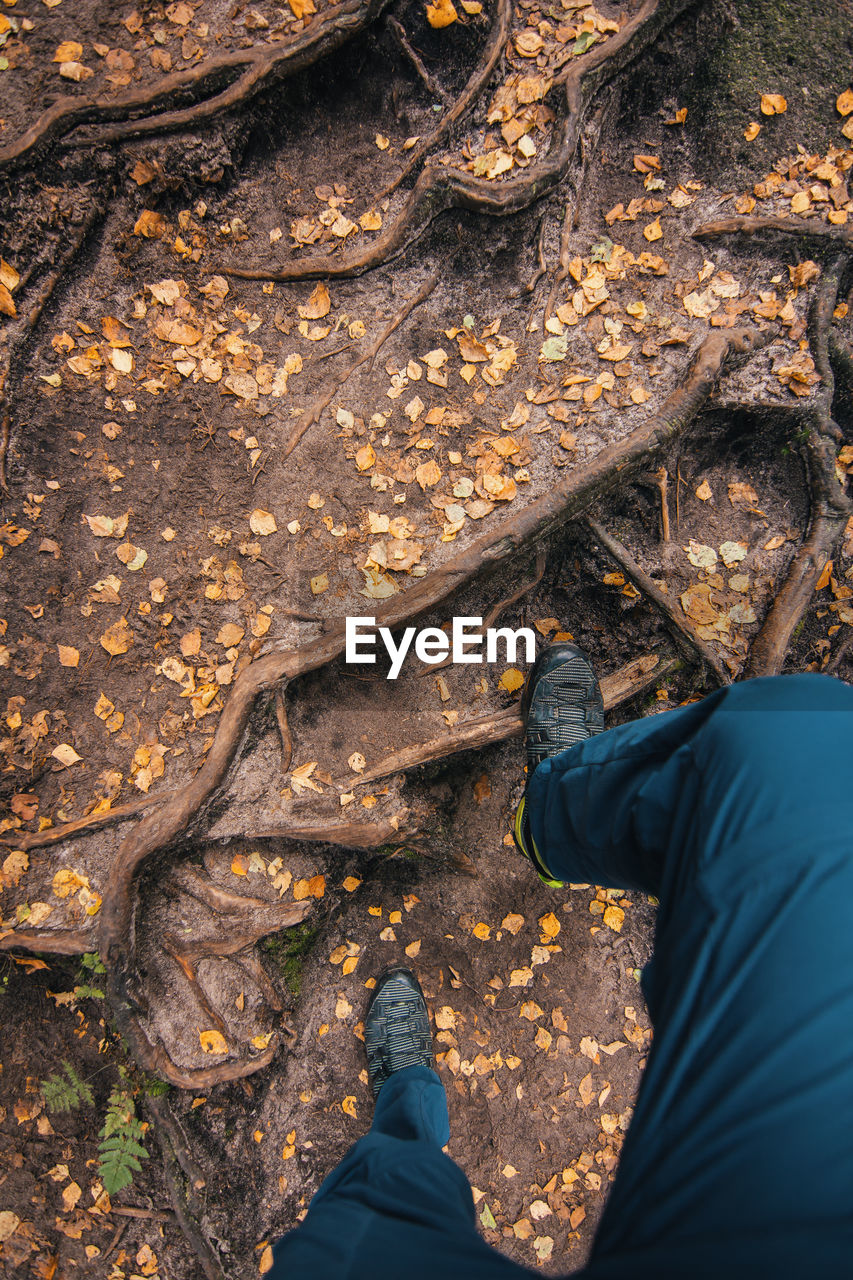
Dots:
pixel 737 813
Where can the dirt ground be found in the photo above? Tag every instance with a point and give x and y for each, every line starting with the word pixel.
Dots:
pixel 204 473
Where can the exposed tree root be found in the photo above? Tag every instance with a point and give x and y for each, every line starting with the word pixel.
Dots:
pixel 563 266
pixel 430 83
pixel 163 823
pixel 501 607
pixel 829 506
pixel 680 628
pixel 810 230
pixel 541 264
pixel 184 1187
pixel 441 187
pixel 248 69
pixel 634 678
pixel 313 412
pixel 92 822
pixel 841 357
pixel 463 104
pixel 283 730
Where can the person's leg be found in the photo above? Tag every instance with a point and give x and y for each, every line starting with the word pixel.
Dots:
pixel 737 812
pixel 397 1207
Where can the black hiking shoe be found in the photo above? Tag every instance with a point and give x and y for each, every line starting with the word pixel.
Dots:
pixel 396 1027
pixel 562 706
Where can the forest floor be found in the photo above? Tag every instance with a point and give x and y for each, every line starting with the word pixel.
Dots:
pixel 618 412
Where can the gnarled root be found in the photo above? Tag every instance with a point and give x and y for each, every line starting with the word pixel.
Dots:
pixel 247 70
pixel 830 508
pixel 441 187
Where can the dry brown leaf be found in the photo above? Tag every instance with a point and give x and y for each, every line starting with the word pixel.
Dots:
pixel 213 1042
pixel 118 638
pixel 441 14
pixel 318 305
pixel 773 104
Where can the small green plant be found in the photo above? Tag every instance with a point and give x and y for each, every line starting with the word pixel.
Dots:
pixel 290 951
pixel 66 1092
pixel 90 965
pixel 121 1148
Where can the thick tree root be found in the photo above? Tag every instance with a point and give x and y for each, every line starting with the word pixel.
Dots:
pixel 313 412
pixel 679 627
pixel 164 823
pixel 247 69
pixel 441 187
pixel 820 232
pixel 830 508
pixel 634 678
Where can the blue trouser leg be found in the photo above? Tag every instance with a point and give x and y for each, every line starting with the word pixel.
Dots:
pixel 738 813
pixel 396 1207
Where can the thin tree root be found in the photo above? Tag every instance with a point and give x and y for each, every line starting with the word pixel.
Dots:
pixel 251 67
pixel 283 729
pixel 313 412
pixel 183 1187
pixel 563 266
pixel 634 678
pixel 463 104
pixel 501 607
pixel 800 227
pixel 680 628
pixel 662 479
pixel 93 822
pixel 829 506
pixel 442 187
pixel 541 264
pixel 429 82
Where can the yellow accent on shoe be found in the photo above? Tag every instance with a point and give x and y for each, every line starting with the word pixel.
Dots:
pixel 532 854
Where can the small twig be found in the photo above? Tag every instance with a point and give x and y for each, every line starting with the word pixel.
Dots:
pixel 327 355
pixel 312 414
pixel 148 1215
pixel 432 86
pixel 681 629
pixel 283 729
pixel 117 1235
pixel 661 477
